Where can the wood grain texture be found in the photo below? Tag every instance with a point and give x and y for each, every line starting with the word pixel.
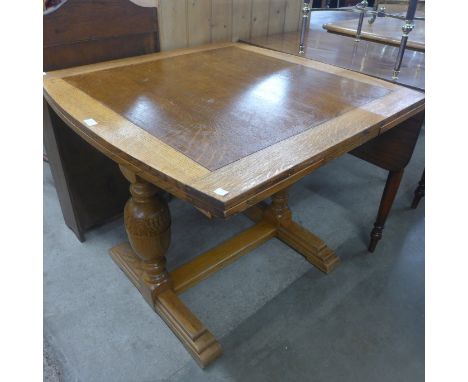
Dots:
pixel 259 22
pixel 262 101
pixel 276 17
pixel 148 226
pixel 242 12
pixel 84 31
pixel 383 30
pixel 221 20
pixel 393 150
pixel 292 16
pixel 204 21
pixel 219 257
pixel 173 24
pixel 198 22
pixel 147 222
pixel 257 173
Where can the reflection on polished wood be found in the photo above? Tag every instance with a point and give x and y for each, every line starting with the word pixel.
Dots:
pixel 256 173
pixel 367 57
pixel 193 131
pixel 383 30
pixel 218 125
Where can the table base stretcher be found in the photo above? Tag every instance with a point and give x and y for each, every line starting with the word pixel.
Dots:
pixel 147 222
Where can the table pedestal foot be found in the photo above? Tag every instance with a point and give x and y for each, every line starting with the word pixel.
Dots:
pixel 196 338
pixel 148 222
pixel 310 246
pixel 143 260
pixel 293 234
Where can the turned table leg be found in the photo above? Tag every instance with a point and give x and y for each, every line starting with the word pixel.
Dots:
pixel 297 237
pixel 148 226
pixel 390 191
pixel 419 192
pixel 147 222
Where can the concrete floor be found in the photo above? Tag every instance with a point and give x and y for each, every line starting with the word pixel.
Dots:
pixel 277 317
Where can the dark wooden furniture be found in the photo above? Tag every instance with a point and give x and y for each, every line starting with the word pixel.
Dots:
pixel 90 187
pixel 393 150
pixel 222 127
pixel 419 192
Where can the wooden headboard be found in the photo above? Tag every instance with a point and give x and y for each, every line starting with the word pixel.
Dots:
pixel 89 185
pixel 80 32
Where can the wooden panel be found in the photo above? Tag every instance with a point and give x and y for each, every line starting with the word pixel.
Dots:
pixel 90 187
pixel 276 16
pixel 94 20
pixel 293 15
pixel 201 21
pixel 242 10
pixel 221 14
pixel 89 52
pixel 260 12
pixel 199 18
pixel 173 24
pixel 262 101
pixel 84 32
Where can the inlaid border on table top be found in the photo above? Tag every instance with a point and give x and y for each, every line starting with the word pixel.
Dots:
pixel 247 180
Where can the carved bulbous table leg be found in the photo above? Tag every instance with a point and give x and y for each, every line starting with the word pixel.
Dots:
pixel 148 222
pixel 278 211
pixel 148 226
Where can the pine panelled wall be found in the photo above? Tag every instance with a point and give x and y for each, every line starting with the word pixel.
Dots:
pixel 188 23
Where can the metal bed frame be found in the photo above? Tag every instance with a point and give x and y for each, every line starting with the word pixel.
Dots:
pixel 363 10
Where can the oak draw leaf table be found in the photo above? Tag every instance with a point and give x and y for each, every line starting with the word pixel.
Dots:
pixel 223 127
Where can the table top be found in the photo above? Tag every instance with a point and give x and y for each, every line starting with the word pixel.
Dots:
pixel 226 125
pixel 384 30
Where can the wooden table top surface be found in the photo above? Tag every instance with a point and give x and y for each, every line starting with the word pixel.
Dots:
pixel 384 30
pixel 223 126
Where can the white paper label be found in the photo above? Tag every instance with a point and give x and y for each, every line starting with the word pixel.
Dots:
pixel 221 192
pixel 90 122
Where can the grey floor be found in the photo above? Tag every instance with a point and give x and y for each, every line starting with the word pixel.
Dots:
pixel 277 317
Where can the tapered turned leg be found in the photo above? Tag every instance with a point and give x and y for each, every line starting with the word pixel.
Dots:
pixel 419 192
pixel 147 222
pixel 297 237
pixel 390 191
